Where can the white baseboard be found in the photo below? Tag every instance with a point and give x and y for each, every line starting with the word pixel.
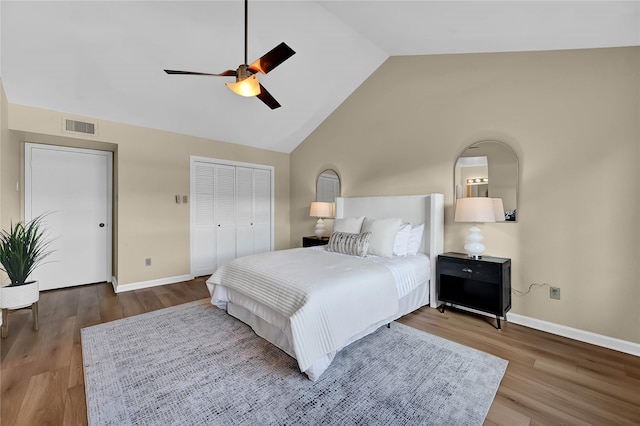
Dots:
pixel 152 283
pixel 569 332
pixel 577 334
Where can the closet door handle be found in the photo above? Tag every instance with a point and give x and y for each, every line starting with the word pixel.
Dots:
pixel 101 225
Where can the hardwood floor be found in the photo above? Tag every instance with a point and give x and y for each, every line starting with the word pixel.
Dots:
pixel 42 379
pixel 550 380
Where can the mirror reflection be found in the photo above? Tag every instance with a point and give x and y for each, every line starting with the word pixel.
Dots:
pixel 328 186
pixel 488 169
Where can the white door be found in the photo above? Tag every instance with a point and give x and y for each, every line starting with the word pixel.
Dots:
pixel 253 210
pixel 244 211
pixel 73 188
pixel 203 236
pixel 224 212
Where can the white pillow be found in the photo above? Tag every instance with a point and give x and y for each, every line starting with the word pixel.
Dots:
pixel 383 235
pixel 402 240
pixel 415 238
pixel 352 225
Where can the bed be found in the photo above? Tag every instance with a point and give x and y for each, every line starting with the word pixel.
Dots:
pixel 312 302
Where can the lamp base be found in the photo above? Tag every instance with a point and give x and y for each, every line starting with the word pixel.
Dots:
pixel 319 228
pixel 474 246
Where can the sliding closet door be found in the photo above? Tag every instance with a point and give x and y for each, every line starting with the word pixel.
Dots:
pixel 231 213
pixel 203 234
pixel 253 210
pixel 244 211
pixel 225 213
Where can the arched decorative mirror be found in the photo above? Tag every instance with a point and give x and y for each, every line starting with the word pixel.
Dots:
pixel 328 186
pixel 489 169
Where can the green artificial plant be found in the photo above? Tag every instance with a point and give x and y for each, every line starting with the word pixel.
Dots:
pixel 22 249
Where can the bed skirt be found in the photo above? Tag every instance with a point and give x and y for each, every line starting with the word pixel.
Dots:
pixel 277 329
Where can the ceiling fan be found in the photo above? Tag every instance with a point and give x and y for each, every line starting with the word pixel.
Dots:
pixel 247 83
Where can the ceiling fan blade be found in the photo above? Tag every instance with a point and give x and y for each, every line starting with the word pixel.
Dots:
pixel 227 73
pixel 266 97
pixel 272 59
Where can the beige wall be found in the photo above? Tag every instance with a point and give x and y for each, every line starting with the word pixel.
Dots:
pixel 573 119
pixel 9 168
pixel 151 167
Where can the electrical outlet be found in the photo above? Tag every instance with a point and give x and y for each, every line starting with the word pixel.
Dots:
pixel 147 261
pixel 185 199
pixel 554 293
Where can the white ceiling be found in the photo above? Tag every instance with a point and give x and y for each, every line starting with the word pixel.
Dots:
pixel 105 59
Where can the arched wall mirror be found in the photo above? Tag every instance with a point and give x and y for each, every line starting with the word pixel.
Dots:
pixel 328 186
pixel 489 169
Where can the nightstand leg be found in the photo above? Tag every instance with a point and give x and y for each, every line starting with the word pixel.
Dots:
pixel 498 319
pixel 442 308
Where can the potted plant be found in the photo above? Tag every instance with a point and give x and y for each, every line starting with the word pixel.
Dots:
pixel 22 249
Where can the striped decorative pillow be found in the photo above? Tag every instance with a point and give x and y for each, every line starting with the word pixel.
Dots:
pixel 347 243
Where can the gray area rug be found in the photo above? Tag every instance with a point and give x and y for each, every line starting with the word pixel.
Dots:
pixel 193 364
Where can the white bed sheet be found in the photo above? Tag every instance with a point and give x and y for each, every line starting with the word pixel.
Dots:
pixel 276 328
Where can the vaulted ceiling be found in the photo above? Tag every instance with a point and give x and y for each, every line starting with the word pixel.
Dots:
pixel 104 59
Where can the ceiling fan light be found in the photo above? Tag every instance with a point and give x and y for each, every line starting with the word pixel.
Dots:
pixel 247 87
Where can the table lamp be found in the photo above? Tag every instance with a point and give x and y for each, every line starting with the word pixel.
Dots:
pixel 320 210
pixel 475 210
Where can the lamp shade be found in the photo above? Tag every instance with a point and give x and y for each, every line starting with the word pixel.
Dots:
pixel 475 209
pixel 320 209
pixel 247 87
pixel 498 209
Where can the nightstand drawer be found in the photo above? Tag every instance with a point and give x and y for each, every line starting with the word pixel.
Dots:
pixel 471 269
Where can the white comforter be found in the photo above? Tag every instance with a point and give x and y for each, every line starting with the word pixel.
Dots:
pixel 329 297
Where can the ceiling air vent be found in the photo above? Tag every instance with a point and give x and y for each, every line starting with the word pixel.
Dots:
pixel 74 126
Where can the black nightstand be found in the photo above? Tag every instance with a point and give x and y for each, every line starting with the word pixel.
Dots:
pixel 482 284
pixel 314 241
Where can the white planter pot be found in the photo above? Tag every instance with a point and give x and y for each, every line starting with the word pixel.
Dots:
pixel 19 297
